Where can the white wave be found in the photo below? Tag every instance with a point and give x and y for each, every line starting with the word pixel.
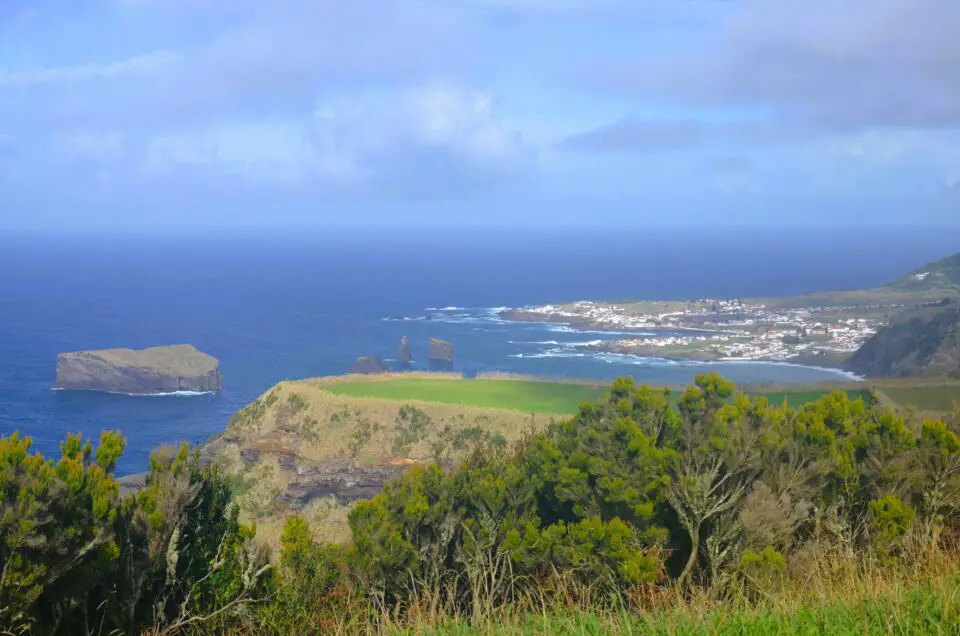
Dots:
pixel 535 342
pixel 162 394
pixel 173 393
pixel 627 358
pixel 552 353
pixel 783 363
pixel 603 332
pixel 555 343
pixel 456 319
pixel 403 318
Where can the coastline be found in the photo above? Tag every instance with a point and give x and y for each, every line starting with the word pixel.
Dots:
pixel 718 343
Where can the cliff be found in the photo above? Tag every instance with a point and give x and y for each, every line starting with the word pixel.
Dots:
pixel 140 372
pixel 923 341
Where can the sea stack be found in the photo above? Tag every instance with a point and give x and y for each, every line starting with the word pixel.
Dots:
pixel 404 356
pixel 441 354
pixel 368 365
pixel 152 371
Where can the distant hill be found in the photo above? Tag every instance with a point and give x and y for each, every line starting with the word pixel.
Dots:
pixel 920 341
pixel 931 283
pixel 938 275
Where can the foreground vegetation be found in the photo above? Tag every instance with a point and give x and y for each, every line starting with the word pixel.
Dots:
pixel 707 512
pixel 517 395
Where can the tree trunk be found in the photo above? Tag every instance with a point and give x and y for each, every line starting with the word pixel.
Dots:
pixel 694 550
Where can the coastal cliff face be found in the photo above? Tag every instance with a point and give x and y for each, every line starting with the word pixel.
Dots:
pixel 299 445
pixel 139 372
pixel 923 341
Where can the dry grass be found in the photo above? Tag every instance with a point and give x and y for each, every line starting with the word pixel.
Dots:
pixel 327 518
pixel 305 420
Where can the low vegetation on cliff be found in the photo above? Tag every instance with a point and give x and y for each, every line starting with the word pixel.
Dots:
pixel 710 511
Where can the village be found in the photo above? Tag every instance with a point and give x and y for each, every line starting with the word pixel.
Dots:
pixel 707 329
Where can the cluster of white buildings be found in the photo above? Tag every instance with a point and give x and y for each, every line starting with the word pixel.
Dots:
pixel 740 331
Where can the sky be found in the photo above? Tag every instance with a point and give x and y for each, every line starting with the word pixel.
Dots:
pixel 150 115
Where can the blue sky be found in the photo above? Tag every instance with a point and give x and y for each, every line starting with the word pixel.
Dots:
pixel 166 114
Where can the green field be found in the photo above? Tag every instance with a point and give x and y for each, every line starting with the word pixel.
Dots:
pixel 927 398
pixel 798 398
pixel 516 395
pixel 525 395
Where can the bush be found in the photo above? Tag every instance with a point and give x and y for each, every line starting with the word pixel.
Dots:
pixel 76 558
pixel 632 495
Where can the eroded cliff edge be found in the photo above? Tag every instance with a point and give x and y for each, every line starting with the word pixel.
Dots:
pixel 149 371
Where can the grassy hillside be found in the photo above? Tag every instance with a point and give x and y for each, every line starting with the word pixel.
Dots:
pixel 310 446
pixel 516 395
pixel 943 274
pixel 932 282
pixel 936 395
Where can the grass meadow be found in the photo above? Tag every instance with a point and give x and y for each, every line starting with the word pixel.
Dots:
pixel 514 395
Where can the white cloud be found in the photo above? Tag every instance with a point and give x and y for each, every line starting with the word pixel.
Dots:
pixel 424 139
pixel 851 65
pixel 140 64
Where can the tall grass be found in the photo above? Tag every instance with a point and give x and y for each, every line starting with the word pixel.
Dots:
pixel 830 593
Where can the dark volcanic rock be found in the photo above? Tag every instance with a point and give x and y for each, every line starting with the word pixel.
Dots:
pixel 441 354
pixel 404 356
pixel 347 484
pixel 369 365
pixel 141 372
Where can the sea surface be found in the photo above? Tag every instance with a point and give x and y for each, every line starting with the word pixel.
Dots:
pixel 274 308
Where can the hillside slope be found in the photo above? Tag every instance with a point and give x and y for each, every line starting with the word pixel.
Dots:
pixel 922 341
pixel 942 275
pixel 302 447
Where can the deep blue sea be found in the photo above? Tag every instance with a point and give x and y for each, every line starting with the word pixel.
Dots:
pixel 273 308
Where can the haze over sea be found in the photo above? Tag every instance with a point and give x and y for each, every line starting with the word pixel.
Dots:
pixel 273 308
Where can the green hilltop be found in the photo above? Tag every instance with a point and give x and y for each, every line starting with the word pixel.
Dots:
pixel 943 274
pixel 935 281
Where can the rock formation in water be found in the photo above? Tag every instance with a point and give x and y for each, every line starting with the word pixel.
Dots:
pixel 441 354
pixel 140 372
pixel 405 357
pixel 368 365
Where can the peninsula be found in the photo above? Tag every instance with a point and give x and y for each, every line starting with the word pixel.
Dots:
pixel 152 371
pixel 821 329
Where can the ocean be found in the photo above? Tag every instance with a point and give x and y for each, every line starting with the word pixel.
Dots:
pixel 274 308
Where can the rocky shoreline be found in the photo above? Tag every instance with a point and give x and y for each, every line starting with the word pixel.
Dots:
pixel 822 361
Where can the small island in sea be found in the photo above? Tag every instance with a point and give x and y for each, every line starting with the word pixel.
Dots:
pixel 152 371
pixel 823 329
